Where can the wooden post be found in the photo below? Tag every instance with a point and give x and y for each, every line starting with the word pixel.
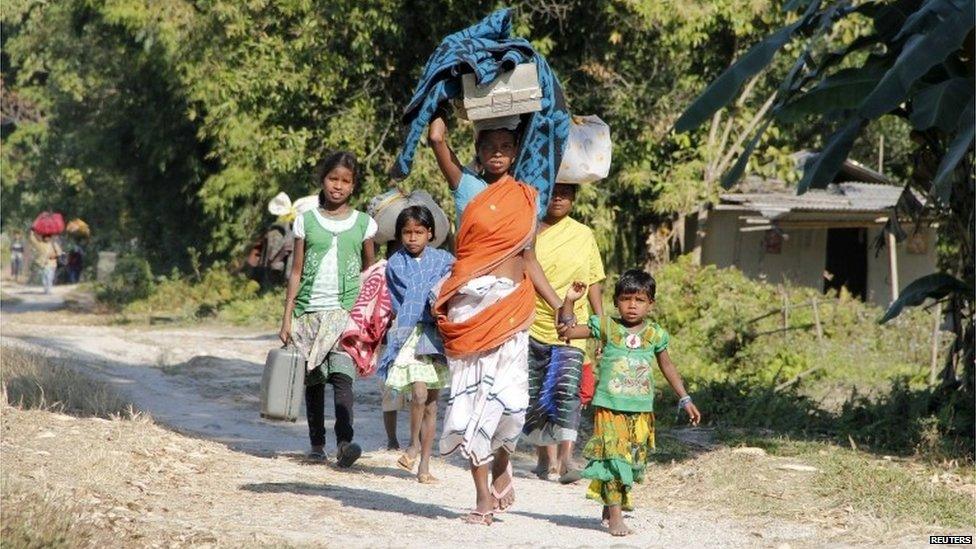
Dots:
pixel 934 364
pixel 699 236
pixel 816 322
pixel 881 155
pixel 786 309
pixel 892 264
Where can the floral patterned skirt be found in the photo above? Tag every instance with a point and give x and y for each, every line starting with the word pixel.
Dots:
pixel 617 454
pixel 409 367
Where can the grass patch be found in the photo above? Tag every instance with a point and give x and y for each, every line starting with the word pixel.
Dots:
pixel 855 379
pixel 851 494
pixel 887 491
pixel 31 520
pixel 34 381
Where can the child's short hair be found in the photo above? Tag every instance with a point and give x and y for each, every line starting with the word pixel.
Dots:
pixel 633 281
pixel 344 159
pixel 417 214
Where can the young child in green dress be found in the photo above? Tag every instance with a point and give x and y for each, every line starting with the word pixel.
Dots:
pixel 623 418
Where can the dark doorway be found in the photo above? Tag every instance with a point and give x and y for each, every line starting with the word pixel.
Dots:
pixel 847 261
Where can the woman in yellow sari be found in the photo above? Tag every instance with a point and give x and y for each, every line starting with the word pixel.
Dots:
pixel 567 251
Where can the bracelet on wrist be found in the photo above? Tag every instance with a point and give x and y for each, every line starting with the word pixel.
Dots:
pixel 684 400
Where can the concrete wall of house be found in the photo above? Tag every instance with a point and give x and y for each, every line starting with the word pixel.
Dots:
pixel 911 265
pixel 803 256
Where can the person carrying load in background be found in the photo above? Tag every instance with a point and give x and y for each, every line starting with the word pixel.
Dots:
pixel 16 255
pixel 333 244
pixel 46 253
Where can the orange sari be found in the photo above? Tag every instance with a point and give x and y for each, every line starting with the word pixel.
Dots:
pixel 497 224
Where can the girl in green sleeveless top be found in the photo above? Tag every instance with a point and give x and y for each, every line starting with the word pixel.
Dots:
pixel 333 245
pixel 623 417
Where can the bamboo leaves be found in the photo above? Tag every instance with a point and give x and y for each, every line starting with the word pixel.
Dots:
pixel 822 168
pixel 920 53
pixel 933 286
pixel 726 87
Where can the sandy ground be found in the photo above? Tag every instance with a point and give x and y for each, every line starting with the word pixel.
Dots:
pixel 239 480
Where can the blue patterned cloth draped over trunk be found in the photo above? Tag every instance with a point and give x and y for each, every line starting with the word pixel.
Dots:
pixel 409 282
pixel 487 49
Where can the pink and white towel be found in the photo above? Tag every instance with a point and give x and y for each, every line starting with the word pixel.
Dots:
pixel 368 320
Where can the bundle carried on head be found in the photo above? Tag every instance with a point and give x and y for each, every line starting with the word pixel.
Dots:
pixel 487 50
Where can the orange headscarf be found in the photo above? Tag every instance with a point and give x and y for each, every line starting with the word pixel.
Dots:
pixel 497 224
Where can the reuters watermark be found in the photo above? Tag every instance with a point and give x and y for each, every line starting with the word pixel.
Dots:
pixel 950 540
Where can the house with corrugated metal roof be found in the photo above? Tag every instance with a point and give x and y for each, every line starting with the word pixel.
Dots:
pixel 828 238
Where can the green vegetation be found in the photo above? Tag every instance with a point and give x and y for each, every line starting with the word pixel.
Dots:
pixel 216 294
pixel 169 124
pixel 914 69
pixel 859 379
pixel 728 326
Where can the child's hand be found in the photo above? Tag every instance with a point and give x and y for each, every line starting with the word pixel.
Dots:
pixel 693 414
pixel 437 130
pixel 575 291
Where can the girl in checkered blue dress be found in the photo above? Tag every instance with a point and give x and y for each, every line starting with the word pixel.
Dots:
pixel 414 358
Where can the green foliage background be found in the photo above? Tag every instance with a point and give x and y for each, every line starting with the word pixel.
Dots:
pixel 168 124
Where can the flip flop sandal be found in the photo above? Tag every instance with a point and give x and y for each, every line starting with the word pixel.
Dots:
pixel 504 492
pixel 427 478
pixel 348 454
pixel 541 471
pixel 571 476
pixel 405 463
pixel 476 517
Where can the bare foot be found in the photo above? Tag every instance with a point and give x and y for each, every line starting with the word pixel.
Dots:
pixel 616 524
pixel 620 529
pixel 605 519
pixel 426 478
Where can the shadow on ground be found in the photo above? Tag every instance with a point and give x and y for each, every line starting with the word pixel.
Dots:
pixel 359 498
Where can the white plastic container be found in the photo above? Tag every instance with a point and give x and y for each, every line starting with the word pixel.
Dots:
pixel 514 92
pixel 586 157
pixel 283 384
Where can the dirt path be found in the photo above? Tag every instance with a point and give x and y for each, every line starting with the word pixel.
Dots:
pixel 204 382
